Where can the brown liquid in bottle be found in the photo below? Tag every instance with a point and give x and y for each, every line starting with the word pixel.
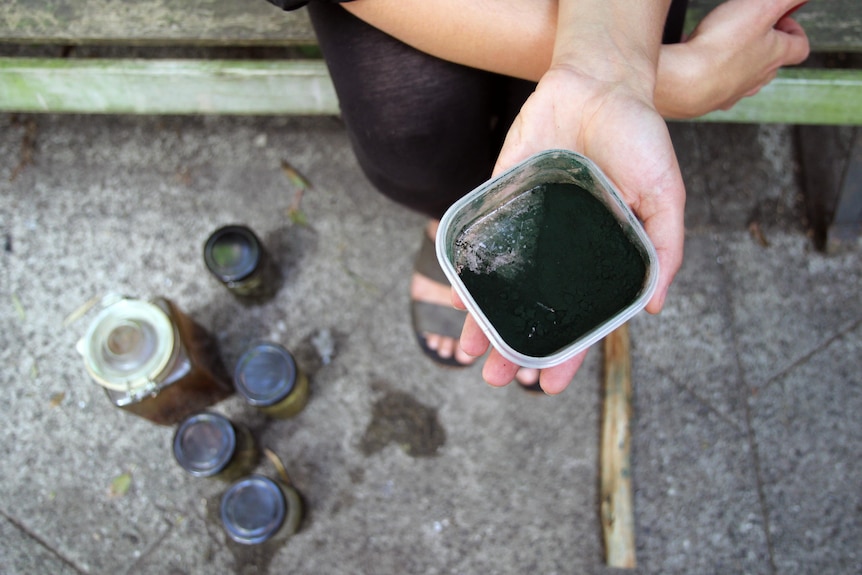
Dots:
pixel 193 378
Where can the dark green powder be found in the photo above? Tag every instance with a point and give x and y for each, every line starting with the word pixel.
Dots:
pixel 580 268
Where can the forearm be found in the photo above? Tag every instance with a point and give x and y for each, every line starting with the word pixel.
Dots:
pixel 510 37
pixel 520 38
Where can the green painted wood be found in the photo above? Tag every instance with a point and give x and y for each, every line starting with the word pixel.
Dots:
pixel 801 96
pixel 124 86
pixel 797 96
pixel 162 22
pixel 831 25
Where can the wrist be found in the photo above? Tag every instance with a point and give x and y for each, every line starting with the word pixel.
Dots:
pixel 612 42
pixel 684 87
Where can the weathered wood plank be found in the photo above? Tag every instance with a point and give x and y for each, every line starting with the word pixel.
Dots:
pixel 831 25
pixel 153 22
pixel 801 96
pixel 166 86
pixel 797 96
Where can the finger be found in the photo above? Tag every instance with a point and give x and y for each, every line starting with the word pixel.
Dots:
pixel 527 376
pixel 513 150
pixel 666 230
pixel 473 339
pixel 793 42
pixel 498 371
pixel 555 379
pixel 457 302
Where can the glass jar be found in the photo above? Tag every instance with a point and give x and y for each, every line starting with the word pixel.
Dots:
pixel 257 509
pixel 210 445
pixel 268 378
pixel 153 360
pixel 237 258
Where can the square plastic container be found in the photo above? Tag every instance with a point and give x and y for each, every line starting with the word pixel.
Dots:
pixel 514 246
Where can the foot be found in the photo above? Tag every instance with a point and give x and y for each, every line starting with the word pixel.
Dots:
pixel 427 290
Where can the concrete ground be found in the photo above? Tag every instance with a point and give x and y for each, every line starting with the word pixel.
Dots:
pixel 747 393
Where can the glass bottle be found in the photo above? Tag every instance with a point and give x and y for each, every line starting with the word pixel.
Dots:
pixel 268 378
pixel 153 360
pixel 257 509
pixel 210 445
pixel 237 258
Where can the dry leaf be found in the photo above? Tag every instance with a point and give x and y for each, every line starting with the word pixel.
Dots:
pixel 279 466
pixel 121 484
pixel 757 234
pixel 301 184
pixel 297 217
pixel 57 399
pixel 19 308
pixel 294 176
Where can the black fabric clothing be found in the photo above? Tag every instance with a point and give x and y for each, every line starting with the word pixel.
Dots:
pixel 425 131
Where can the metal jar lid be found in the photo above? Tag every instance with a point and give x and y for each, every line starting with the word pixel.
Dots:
pixel 128 345
pixel 253 510
pixel 204 444
pixel 232 253
pixel 265 374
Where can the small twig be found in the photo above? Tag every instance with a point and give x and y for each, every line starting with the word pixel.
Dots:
pixel 28 147
pixel 617 507
pixel 81 310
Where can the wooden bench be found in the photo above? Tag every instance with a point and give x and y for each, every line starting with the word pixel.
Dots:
pixel 248 57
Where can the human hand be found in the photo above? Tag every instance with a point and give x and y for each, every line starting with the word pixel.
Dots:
pixel 614 123
pixel 734 51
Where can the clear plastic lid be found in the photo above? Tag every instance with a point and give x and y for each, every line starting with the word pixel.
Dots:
pixel 128 345
pixel 204 444
pixel 232 253
pixel 265 374
pixel 253 510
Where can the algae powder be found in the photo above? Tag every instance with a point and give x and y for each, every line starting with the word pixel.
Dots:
pixel 549 266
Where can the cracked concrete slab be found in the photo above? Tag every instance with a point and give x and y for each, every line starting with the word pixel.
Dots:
pixel 727 427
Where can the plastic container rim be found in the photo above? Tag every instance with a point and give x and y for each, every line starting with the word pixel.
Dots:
pixel 127 309
pixel 593 336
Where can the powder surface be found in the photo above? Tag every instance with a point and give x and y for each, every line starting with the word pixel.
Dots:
pixel 569 267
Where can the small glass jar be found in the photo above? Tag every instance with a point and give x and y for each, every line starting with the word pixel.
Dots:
pixel 210 445
pixel 257 509
pixel 153 360
pixel 237 258
pixel 268 378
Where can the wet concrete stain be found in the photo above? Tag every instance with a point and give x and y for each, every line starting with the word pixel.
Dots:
pixel 399 418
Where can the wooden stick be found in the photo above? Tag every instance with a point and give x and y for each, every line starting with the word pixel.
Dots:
pixel 617 509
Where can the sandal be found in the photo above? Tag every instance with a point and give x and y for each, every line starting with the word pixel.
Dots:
pixel 430 317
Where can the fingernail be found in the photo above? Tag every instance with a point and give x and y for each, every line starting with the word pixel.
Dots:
pixel 794 9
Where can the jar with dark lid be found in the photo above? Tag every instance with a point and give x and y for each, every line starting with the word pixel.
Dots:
pixel 153 360
pixel 268 378
pixel 257 509
pixel 237 258
pixel 210 445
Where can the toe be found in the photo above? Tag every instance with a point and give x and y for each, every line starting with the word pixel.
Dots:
pixel 527 376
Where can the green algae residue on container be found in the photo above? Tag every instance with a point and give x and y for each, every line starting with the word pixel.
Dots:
pixel 549 266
